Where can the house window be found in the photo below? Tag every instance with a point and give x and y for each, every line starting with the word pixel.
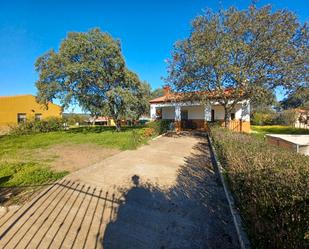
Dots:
pixel 212 115
pixel 38 116
pixel 232 116
pixel 21 117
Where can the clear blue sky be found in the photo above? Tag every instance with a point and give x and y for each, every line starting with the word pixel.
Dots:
pixel 147 30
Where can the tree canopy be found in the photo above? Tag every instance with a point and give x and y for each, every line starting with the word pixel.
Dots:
pixel 89 69
pixel 296 99
pixel 250 52
pixel 158 92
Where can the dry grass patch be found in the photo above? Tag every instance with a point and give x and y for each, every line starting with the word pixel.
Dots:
pixel 270 186
pixel 72 157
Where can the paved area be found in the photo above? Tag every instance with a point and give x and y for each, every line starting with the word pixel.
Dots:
pixel 164 195
pixel 157 163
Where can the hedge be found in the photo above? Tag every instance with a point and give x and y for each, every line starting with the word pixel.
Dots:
pixel 160 126
pixel 35 126
pixel 270 186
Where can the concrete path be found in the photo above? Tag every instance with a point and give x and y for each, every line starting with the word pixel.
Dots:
pixel 164 195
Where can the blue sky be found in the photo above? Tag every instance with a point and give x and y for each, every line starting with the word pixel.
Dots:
pixel 147 30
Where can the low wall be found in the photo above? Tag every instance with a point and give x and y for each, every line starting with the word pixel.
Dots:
pixel 193 124
pixel 304 150
pixel 290 143
pixel 238 126
pixel 200 124
pixel 280 143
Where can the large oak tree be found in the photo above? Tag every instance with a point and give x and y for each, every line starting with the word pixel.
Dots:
pixel 89 69
pixel 251 52
pixel 296 99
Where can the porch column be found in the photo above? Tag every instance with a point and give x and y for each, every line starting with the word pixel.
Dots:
pixel 177 117
pixel 207 115
pixel 153 112
pixel 245 111
pixel 207 112
pixel 245 117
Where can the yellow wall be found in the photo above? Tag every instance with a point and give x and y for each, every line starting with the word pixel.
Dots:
pixel 111 122
pixel 12 105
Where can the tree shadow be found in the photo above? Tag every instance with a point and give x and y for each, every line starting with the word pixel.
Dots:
pixel 99 129
pixel 191 214
pixel 90 129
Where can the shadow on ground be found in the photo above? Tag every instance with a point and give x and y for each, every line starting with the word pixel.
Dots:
pixel 99 129
pixel 18 195
pixel 192 214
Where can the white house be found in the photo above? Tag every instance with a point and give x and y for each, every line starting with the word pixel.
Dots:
pixel 196 115
pixel 302 119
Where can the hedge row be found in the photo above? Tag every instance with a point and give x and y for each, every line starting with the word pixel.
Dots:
pixel 160 126
pixel 35 126
pixel 270 186
pixel 286 117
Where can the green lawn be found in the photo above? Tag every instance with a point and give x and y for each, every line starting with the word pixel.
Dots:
pixel 277 129
pixel 20 166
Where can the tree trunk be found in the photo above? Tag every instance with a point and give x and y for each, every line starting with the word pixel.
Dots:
pixel 226 117
pixel 93 121
pixel 118 125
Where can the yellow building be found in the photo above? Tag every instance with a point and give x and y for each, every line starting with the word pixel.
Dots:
pixel 15 109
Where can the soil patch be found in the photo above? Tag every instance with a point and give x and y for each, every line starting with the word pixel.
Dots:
pixel 72 157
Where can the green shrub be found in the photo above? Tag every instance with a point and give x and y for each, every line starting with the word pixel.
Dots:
pixel 270 186
pixel 215 124
pixel 73 119
pixel 135 139
pixel 160 126
pixel 34 126
pixel 152 129
pixel 260 118
pixel 286 117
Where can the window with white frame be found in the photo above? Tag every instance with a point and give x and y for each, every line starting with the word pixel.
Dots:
pixel 21 117
pixel 38 116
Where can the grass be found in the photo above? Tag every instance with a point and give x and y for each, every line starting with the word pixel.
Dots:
pixel 260 131
pixel 19 164
pixel 26 173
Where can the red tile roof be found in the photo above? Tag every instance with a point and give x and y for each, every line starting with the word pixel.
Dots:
pixel 159 99
pixel 181 96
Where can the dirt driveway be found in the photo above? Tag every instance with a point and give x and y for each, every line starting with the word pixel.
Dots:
pixel 163 195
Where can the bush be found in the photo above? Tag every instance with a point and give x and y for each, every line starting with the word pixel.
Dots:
pixel 152 129
pixel 148 132
pixel 287 117
pixel 270 186
pixel 35 126
pixel 74 119
pixel 160 126
pixel 259 118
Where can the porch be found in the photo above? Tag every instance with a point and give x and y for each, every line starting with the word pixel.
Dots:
pixel 197 116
